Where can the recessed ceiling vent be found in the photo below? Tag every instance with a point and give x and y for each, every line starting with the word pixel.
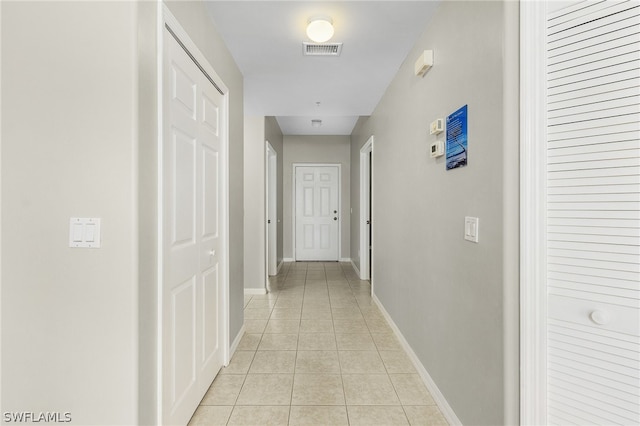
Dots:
pixel 321 49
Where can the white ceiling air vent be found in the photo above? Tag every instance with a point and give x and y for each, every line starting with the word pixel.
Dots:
pixel 321 49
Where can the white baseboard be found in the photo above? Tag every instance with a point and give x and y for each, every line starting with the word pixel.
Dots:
pixel 440 400
pixel 252 291
pixel 288 259
pixel 280 266
pixel 355 268
pixel 235 343
pixel 345 259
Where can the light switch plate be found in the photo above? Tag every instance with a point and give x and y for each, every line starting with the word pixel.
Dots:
pixel 84 232
pixel 471 228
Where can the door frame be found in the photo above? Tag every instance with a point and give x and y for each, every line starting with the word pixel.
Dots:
pixel 271 200
pixel 533 206
pixel 366 213
pixel 293 204
pixel 167 19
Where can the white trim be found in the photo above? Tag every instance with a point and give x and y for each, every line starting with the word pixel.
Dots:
pixel 366 177
pixel 159 207
pixel 236 342
pixel 293 198
pixel 166 17
pixel 280 265
pixel 345 259
pixel 254 291
pixel 355 268
pixel 533 303
pixel 439 399
pixel 288 259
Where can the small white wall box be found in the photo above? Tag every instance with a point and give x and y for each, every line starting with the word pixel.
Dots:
pixel 437 149
pixel 436 127
pixel 424 62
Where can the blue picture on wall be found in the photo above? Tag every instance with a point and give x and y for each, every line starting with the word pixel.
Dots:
pixel 457 139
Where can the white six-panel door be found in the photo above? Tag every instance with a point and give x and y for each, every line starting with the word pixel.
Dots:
pixel 192 248
pixel 317 212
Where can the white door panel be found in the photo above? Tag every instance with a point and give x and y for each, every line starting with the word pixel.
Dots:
pixel 191 291
pixel 317 212
pixel 592 322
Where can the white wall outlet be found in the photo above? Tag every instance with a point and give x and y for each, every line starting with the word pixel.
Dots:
pixel 471 229
pixel 436 127
pixel 437 149
pixel 84 232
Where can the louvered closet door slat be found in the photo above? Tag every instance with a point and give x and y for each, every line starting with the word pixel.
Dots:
pixel 626 72
pixel 600 43
pixel 591 116
pixel 593 209
pixel 592 12
pixel 615 283
pixel 597 107
pixel 596 180
pixel 555 108
pixel 620 21
pixel 588 92
pixel 596 57
pixel 608 150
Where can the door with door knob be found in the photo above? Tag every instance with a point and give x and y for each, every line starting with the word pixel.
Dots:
pixel 317 219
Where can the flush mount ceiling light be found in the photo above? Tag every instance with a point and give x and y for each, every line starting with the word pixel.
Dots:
pixel 320 29
pixel 316 123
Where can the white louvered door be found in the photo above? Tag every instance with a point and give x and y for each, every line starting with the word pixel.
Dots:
pixel 593 213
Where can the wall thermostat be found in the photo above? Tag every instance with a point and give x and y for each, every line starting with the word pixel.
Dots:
pixel 437 149
pixel 436 127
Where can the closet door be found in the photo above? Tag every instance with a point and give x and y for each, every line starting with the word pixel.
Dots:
pixel 593 213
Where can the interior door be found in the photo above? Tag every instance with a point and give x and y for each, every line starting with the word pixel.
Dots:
pixel 317 212
pixel 593 213
pixel 192 247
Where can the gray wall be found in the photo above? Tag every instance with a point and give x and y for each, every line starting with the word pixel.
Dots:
pixel 454 301
pixel 79 139
pixel 258 129
pixel 69 149
pixel 254 204
pixel 274 135
pixel 316 149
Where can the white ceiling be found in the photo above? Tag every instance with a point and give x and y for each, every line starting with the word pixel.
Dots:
pixel 265 39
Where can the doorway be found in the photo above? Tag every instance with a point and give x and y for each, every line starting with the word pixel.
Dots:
pixel 366 223
pixel 271 168
pixel 193 283
pixel 317 212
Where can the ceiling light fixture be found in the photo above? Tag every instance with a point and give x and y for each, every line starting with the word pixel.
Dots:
pixel 316 123
pixel 320 29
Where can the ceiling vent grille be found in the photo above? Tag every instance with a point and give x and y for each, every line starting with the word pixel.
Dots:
pixel 321 49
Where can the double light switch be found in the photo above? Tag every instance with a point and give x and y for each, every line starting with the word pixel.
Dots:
pixel 84 232
pixel 471 228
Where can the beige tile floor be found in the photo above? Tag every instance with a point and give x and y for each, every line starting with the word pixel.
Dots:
pixel 317 351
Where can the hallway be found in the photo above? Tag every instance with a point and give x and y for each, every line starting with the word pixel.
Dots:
pixel 317 351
